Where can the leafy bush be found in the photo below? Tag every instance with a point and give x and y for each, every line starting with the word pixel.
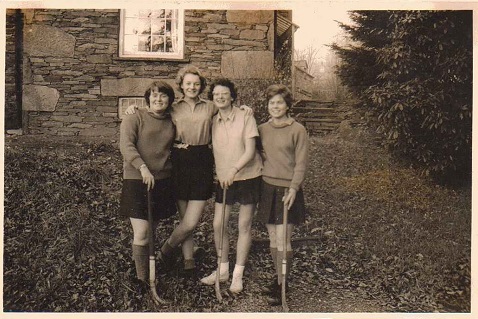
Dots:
pixel 252 93
pixel 413 69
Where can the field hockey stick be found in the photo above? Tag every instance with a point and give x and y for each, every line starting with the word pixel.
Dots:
pixel 219 252
pixel 284 256
pixel 152 260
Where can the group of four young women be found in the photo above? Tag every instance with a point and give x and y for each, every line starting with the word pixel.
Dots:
pixel 166 150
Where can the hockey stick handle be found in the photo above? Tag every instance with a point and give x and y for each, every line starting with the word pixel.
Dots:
pixel 221 239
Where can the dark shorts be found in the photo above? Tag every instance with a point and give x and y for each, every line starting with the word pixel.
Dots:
pixel 192 172
pixel 271 206
pixel 242 192
pixel 134 199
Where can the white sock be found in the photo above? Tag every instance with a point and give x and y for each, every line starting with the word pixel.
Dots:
pixel 238 271
pixel 225 267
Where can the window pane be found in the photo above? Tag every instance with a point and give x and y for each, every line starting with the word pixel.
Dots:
pixel 144 43
pixel 158 44
pixel 131 43
pixel 169 44
pixel 130 26
pixel 144 26
pixel 168 27
pixel 144 13
pixel 157 26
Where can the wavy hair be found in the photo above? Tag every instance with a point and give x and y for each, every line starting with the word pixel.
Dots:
pixel 190 69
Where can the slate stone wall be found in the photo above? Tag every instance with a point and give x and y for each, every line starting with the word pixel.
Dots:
pixel 11 118
pixel 73 75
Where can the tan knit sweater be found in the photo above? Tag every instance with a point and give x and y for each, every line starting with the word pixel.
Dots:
pixel 146 138
pixel 285 150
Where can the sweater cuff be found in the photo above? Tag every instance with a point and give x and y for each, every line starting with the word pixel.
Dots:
pixel 137 162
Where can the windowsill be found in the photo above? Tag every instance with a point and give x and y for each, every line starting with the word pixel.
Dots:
pixel 187 60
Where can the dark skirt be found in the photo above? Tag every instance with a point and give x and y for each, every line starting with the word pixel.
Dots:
pixel 134 199
pixel 242 192
pixel 192 172
pixel 271 206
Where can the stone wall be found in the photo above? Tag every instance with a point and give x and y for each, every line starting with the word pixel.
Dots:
pixel 11 120
pixel 73 76
pixel 304 84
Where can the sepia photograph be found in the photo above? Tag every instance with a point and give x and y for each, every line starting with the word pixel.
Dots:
pixel 240 158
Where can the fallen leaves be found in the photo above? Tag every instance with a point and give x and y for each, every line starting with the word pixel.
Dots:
pixel 65 241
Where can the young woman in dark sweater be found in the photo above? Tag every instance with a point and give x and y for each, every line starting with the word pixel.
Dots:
pixel 146 138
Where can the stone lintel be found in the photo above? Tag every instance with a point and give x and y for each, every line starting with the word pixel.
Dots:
pixel 249 16
pixel 130 86
pixel 248 64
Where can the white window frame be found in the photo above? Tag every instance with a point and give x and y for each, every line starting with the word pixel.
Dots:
pixel 125 101
pixel 126 48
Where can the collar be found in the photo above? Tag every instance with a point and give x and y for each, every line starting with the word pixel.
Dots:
pixel 229 117
pixel 160 117
pixel 288 122
pixel 198 102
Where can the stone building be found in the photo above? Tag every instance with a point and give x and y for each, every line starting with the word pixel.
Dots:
pixel 72 72
pixel 304 81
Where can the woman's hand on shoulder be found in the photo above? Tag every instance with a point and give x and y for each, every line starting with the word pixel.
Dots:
pixel 131 109
pixel 247 109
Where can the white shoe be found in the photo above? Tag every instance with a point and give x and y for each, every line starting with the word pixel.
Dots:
pixel 236 285
pixel 211 279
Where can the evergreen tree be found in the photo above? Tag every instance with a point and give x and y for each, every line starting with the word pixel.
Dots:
pixel 414 70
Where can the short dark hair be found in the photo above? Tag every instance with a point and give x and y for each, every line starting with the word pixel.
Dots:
pixel 163 87
pixel 190 69
pixel 223 82
pixel 282 90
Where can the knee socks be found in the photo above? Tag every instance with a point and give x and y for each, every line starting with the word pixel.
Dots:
pixel 274 257
pixel 167 249
pixel 280 253
pixel 141 261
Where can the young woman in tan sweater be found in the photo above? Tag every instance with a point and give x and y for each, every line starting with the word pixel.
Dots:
pixel 285 157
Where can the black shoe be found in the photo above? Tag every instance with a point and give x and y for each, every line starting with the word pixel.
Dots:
pixel 274 301
pixel 140 288
pixel 270 288
pixel 167 262
pixel 199 253
pixel 275 298
pixel 189 273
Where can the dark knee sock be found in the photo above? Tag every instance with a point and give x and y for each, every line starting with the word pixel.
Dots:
pixel 141 261
pixel 279 266
pixel 167 249
pixel 280 255
pixel 289 255
pixel 274 256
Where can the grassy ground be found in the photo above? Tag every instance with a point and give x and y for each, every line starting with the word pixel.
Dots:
pixel 380 237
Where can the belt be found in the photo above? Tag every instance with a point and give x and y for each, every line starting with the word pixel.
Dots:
pixel 185 146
